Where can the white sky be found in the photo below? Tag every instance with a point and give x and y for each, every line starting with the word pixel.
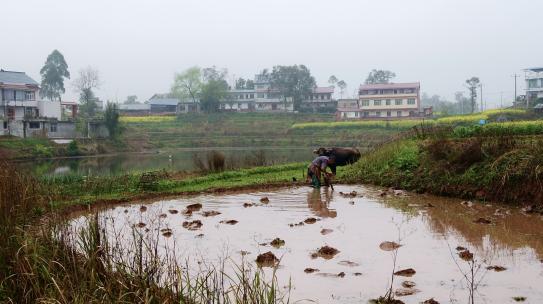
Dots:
pixel 138 45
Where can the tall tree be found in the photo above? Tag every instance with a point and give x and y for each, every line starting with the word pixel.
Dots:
pixel 473 84
pixel 131 99
pixel 379 76
pixel 53 73
pixel 292 81
pixel 111 119
pixel 242 84
pixel 88 79
pixel 214 88
pixel 188 84
pixel 332 80
pixel 342 86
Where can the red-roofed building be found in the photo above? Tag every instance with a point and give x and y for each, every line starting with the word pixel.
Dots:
pixel 385 101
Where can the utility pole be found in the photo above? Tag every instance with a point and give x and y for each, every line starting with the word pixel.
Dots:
pixel 501 99
pixel 481 87
pixel 515 76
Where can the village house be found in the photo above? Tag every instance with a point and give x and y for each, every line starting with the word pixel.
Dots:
pixel 384 101
pixel 167 104
pixel 534 85
pixel 320 100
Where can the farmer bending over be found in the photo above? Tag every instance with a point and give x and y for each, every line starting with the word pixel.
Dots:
pixel 318 166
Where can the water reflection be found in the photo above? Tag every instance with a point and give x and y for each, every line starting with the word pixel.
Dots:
pixel 319 204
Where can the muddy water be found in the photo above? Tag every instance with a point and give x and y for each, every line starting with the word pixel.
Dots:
pixel 356 227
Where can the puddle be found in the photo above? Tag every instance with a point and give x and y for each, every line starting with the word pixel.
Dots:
pixel 364 235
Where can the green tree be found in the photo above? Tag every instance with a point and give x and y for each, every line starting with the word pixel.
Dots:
pixel 214 89
pixel 379 76
pixel 473 84
pixel 332 80
pixel 292 81
pixel 342 86
pixel 111 119
pixel 53 73
pixel 242 84
pixel 131 99
pixel 188 84
pixel 87 104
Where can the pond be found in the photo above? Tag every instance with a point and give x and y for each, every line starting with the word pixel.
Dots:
pixel 428 228
pixel 177 160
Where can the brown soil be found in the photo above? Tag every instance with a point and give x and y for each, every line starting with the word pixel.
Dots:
pixel 402 292
pixel 194 225
pixel 326 231
pixel 143 208
pixel 430 301
pixel 141 225
pixel 389 246
pixel 357 274
pixel 482 221
pixel 264 200
pixel 310 220
pixel 210 213
pixel 277 242
pixel 409 272
pixel 229 222
pixel 349 263
pixel 466 255
pixel 173 211
pixel 310 270
pixel 408 284
pixel 246 205
pixel 194 207
pixel 163 215
pixel 460 248
pixel 267 259
pixel 341 274
pixel 350 194
pixel 325 252
pixel 496 268
pixel 166 232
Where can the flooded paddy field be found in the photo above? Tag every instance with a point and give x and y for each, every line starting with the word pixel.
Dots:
pixel 331 245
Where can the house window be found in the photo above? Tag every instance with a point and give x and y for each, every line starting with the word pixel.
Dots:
pixel 260 95
pixel 376 102
pixel 252 95
pixel 182 108
pixel 399 113
pixel 366 114
pixel 398 102
pixel 411 101
pixel 5 124
pixel 378 114
pixel 29 112
pixel 53 127
pixel 355 114
pixel 411 113
pixel 389 114
pixel 400 91
pixel 34 125
pixel 365 103
pixel 387 102
pixel 29 95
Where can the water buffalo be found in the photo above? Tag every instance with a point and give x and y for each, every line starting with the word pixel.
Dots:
pixel 343 156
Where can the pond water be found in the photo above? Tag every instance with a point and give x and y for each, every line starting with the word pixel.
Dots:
pixel 430 228
pixel 177 160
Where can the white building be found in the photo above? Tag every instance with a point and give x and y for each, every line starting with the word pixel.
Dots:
pixel 534 84
pixel 384 101
pixel 22 113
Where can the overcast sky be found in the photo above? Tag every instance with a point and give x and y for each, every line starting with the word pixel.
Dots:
pixel 138 45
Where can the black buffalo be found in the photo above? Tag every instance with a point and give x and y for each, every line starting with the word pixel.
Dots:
pixel 343 156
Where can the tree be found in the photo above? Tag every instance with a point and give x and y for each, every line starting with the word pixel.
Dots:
pixel 85 83
pixel 188 84
pixel 332 80
pixel 292 81
pixel 462 102
pixel 111 119
pixel 473 84
pixel 342 86
pixel 53 73
pixel 380 76
pixel 214 88
pixel 131 99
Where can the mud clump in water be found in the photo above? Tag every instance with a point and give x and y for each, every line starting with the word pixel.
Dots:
pixel 325 252
pixel 357 274
pixel 229 222
pixel 267 259
pixel 408 284
pixel 389 246
pixel 166 232
pixel 341 274
pixel 187 213
pixel 409 272
pixel 199 236
pixel 460 248
pixel 496 268
pixel 143 208
pixel 349 263
pixel 466 255
pixel 277 242
pixel 402 292
pixel 310 270
pixel 349 194
pixel 430 301
pixel 194 225
pixel 163 215
pixel 194 207
pixel 173 211
pixel 482 220
pixel 310 220
pixel 141 225
pixel 210 213
pixel 264 200
pixel 247 205
pixel 326 231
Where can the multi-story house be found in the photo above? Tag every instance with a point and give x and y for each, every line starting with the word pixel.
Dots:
pixel 385 101
pixel 534 85
pixel 239 101
pixel 320 100
pixel 269 99
pixel 22 113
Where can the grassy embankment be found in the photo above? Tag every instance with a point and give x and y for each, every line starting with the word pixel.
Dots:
pixel 497 161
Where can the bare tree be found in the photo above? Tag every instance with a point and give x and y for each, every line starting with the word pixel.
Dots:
pixel 88 79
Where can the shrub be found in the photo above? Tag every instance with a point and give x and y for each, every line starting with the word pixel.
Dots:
pixel 73 149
